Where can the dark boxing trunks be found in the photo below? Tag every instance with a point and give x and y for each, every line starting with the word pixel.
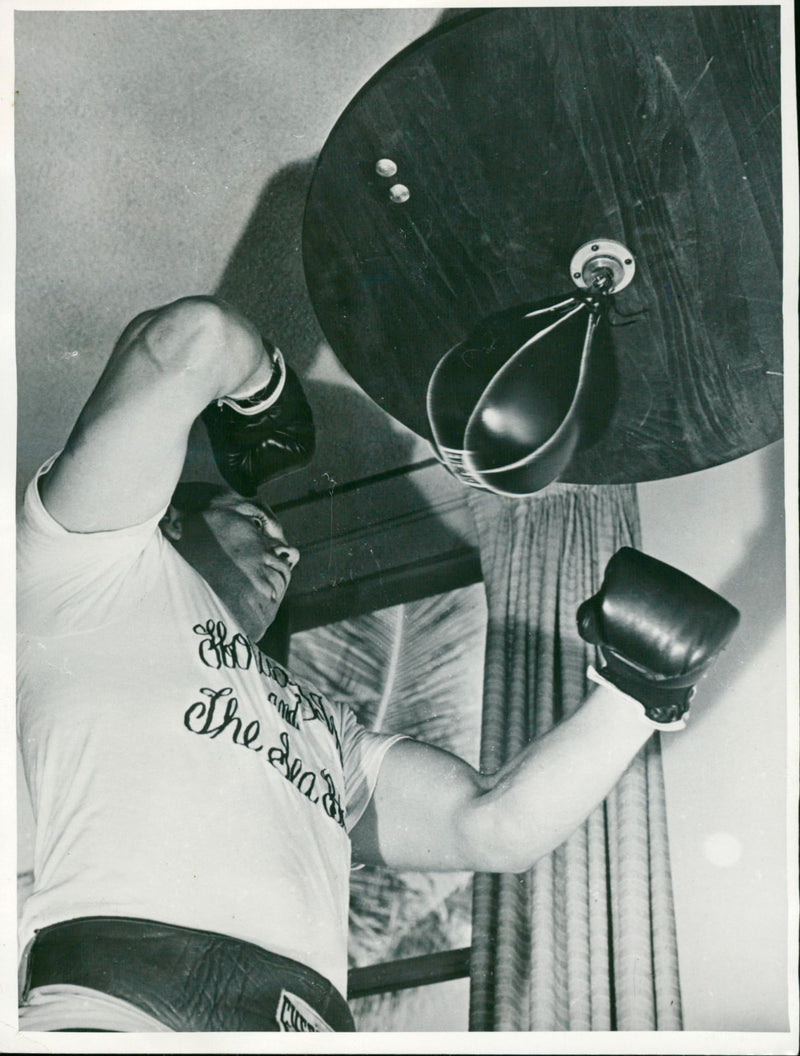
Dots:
pixel 188 980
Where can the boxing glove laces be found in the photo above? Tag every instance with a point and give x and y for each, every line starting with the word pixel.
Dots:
pixel 259 433
pixel 657 631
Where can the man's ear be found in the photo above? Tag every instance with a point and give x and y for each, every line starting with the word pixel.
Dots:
pixel 171 524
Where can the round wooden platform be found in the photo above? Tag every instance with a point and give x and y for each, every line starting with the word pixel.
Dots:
pixel 521 133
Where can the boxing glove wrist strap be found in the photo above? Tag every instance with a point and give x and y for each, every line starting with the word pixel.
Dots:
pixel 258 396
pixel 668 727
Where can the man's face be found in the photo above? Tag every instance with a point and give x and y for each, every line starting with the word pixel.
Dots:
pixel 240 549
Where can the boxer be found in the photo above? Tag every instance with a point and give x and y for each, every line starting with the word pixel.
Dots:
pixel 197 806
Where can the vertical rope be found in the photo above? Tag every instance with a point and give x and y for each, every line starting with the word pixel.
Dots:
pixel 586 939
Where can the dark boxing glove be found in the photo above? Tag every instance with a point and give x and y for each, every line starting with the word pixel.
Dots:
pixel 256 436
pixel 658 630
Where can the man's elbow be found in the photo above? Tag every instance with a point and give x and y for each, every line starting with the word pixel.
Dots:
pixel 199 340
pixel 497 842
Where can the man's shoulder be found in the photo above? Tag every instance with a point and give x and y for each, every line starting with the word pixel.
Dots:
pixel 34 519
pixel 61 574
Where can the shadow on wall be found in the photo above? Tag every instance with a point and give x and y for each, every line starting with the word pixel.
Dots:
pixel 265 280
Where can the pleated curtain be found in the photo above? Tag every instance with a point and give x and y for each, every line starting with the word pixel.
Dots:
pixel 586 939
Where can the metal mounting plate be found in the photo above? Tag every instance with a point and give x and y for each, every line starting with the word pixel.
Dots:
pixel 602 254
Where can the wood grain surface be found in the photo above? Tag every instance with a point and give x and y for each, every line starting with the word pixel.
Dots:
pixel 522 133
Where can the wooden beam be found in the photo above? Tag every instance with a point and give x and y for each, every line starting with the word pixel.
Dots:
pixel 409 972
pixel 394 586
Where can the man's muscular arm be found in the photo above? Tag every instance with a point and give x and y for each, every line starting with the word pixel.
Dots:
pixel 431 810
pixel 123 458
pixel 658 631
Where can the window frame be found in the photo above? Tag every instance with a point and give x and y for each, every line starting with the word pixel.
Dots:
pixel 409 972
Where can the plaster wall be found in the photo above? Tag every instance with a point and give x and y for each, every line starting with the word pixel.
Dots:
pixel 727 777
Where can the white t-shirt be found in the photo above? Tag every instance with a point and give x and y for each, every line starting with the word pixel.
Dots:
pixel 177 774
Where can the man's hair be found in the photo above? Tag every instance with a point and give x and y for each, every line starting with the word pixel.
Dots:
pixel 193 496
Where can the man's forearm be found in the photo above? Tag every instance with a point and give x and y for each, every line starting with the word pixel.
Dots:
pixel 657 631
pixel 537 799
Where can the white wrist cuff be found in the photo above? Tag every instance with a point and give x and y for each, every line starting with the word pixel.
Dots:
pixel 242 400
pixel 668 727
